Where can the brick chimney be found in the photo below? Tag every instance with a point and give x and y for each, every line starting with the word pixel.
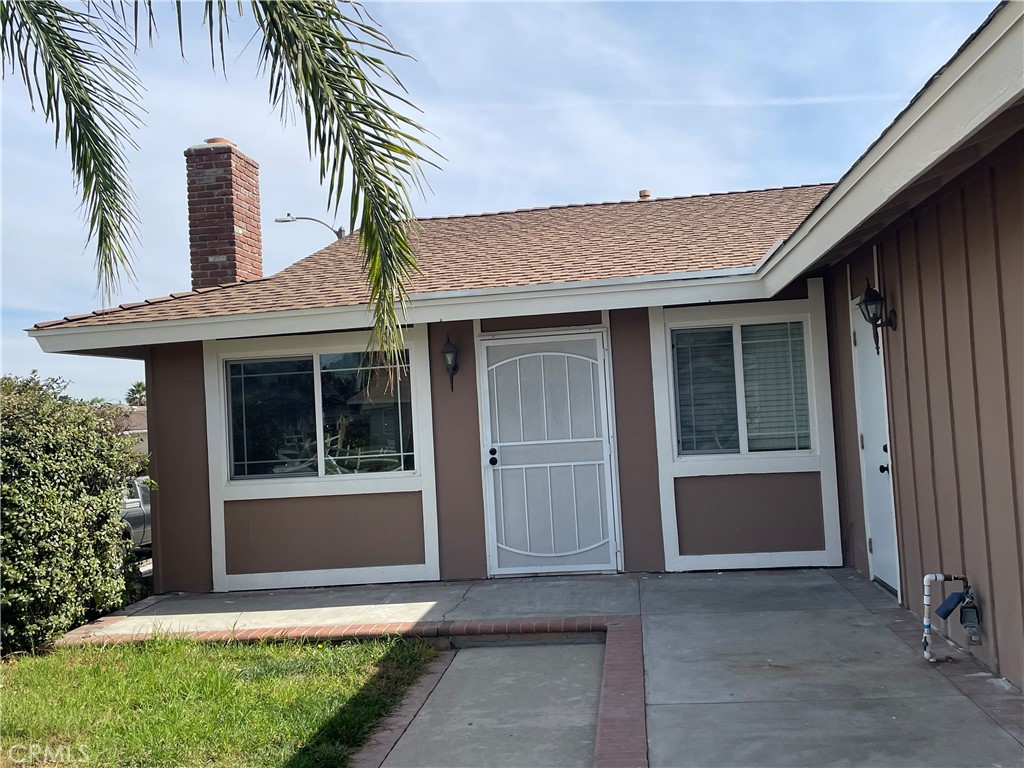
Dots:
pixel 223 214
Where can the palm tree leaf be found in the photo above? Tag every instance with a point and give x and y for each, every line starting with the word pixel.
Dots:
pixel 326 61
pixel 75 66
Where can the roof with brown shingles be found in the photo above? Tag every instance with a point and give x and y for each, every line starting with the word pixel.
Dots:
pixel 532 247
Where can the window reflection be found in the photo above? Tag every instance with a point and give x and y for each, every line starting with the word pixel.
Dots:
pixel 273 417
pixel 367 416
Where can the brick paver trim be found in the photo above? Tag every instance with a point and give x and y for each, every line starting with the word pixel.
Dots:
pixel 622 712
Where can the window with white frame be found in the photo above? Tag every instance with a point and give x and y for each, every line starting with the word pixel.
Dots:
pixel 751 374
pixel 319 414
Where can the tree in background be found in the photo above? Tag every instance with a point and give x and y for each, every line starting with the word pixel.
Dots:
pixel 65 464
pixel 325 57
pixel 136 394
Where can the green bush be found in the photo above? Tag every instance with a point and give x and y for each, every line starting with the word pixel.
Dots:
pixel 64 464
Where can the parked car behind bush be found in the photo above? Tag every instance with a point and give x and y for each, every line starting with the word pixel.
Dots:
pixel 64 465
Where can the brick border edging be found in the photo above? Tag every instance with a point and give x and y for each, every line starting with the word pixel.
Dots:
pixel 81 635
pixel 389 730
pixel 1001 706
pixel 361 631
pixel 621 740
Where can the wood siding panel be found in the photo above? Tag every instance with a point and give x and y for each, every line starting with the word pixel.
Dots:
pixel 901 447
pixel 945 493
pixel 1008 192
pixel 956 302
pixel 953 269
pixel 918 407
pixel 993 422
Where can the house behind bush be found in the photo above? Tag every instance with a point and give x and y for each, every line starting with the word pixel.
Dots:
pixel 656 385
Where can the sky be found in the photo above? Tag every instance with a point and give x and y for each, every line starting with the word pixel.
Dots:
pixel 530 104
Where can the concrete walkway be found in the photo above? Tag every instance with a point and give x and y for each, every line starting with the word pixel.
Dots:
pixel 767 668
pixel 531 705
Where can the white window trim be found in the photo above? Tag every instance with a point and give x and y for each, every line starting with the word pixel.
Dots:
pixel 674 323
pixel 820 458
pixel 222 488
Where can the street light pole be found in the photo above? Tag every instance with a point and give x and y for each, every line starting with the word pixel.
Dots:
pixel 339 232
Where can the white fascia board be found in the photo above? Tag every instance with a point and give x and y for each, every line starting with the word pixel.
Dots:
pixel 716 286
pixel 986 78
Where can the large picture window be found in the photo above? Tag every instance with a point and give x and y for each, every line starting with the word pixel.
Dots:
pixel 358 420
pixel 755 375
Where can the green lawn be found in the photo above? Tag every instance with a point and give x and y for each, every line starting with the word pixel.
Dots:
pixel 172 702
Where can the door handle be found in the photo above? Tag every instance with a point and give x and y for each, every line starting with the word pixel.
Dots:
pixel 492 461
pixel 883 467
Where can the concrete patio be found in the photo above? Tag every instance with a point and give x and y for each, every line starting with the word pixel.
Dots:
pixel 767 668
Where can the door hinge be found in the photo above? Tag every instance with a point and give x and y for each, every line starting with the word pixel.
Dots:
pixel 871 546
pixel 862 441
pixel 855 338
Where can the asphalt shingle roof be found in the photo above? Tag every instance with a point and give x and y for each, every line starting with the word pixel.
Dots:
pixel 540 246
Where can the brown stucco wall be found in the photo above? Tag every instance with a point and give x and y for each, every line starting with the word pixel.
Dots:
pixel 529 322
pixel 176 399
pixel 323 532
pixel 953 269
pixel 727 514
pixel 643 547
pixel 457 456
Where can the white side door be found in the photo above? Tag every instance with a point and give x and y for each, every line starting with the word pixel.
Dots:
pixel 547 455
pixel 875 463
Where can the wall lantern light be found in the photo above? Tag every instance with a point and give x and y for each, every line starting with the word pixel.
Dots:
pixel 451 360
pixel 872 306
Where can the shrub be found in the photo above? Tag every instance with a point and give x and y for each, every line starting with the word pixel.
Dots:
pixel 64 464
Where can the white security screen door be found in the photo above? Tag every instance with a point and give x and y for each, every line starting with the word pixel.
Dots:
pixel 875 463
pixel 547 455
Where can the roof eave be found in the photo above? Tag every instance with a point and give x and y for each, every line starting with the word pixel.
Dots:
pixel 655 290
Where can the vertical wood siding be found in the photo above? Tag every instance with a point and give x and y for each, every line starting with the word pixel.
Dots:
pixel 953 269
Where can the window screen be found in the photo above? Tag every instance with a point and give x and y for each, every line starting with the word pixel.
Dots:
pixel 775 387
pixel 706 391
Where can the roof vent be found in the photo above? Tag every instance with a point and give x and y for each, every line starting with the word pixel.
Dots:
pixel 645 194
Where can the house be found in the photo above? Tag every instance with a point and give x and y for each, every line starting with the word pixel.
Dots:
pixel 137 426
pixel 655 385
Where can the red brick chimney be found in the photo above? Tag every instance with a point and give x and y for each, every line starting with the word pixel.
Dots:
pixel 223 214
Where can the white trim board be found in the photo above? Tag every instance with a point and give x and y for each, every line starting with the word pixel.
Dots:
pixel 223 489
pixel 820 459
pixel 514 302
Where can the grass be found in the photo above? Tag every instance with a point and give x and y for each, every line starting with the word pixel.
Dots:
pixel 177 702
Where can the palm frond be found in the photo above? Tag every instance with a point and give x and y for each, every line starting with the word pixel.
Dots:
pixel 331 65
pixel 76 68
pixel 326 58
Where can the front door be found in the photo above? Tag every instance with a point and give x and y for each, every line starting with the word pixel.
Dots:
pixel 547 457
pixel 875 455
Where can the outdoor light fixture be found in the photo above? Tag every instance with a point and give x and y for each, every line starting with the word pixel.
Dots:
pixel 872 306
pixel 451 360
pixel 339 232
